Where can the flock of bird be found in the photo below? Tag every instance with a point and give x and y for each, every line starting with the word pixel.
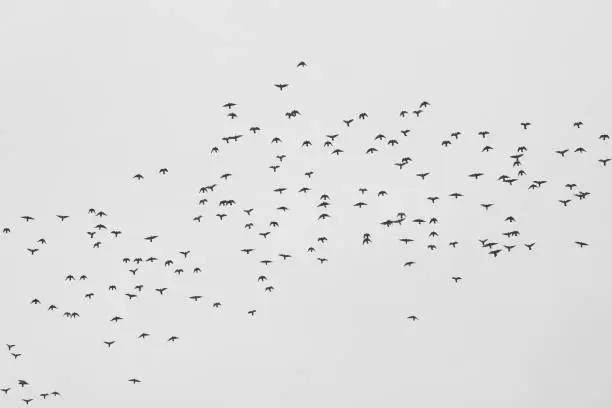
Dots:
pixel 208 195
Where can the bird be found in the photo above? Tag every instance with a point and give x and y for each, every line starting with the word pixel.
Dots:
pixel 457 278
pixel 413 318
pixel 134 380
pixel 495 252
pixel 281 86
pixel 562 152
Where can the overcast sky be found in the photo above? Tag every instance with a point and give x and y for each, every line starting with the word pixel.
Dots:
pixel 92 93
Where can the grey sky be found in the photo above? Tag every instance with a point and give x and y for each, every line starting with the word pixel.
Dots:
pixel 92 93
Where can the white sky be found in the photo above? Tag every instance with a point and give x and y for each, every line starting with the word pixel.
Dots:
pixel 93 92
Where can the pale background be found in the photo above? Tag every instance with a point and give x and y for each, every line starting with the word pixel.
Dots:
pixel 93 92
